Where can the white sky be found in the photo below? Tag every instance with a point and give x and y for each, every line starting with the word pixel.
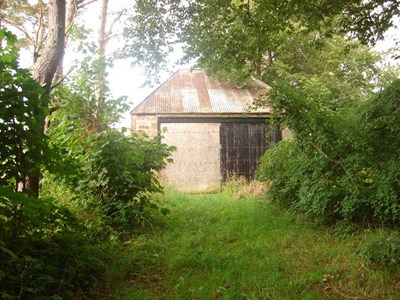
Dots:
pixel 123 79
pixel 127 81
pixel 390 37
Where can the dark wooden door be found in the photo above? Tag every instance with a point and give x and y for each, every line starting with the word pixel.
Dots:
pixel 242 144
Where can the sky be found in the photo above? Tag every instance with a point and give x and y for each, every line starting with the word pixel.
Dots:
pixel 127 81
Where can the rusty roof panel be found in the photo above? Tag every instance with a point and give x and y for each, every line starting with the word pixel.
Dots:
pixel 229 100
pixel 195 92
pixel 190 100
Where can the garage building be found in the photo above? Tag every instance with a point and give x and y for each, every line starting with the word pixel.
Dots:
pixel 211 123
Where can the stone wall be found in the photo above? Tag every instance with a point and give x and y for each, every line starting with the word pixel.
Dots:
pixel 147 124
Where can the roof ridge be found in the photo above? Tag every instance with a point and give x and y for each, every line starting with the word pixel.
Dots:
pixel 262 83
pixel 156 89
pixel 173 96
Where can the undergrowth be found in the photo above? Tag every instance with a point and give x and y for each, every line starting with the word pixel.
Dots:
pixel 47 252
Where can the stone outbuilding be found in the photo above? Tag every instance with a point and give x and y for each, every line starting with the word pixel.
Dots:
pixel 211 123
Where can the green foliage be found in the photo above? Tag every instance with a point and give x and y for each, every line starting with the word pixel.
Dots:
pixel 25 215
pixel 45 251
pixel 341 165
pixel 282 164
pixel 338 166
pixel 332 71
pixel 235 39
pixel 82 113
pixel 106 170
pixel 381 115
pixel 147 38
pixel 383 253
pixel 118 174
pixel 23 102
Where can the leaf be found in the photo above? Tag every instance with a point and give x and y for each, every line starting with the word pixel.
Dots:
pixel 7 251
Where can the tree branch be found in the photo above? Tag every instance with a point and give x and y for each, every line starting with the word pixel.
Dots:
pixel 338 162
pixel 62 78
pixel 70 17
pixel 114 21
pixel 39 34
pixel 82 3
pixel 20 28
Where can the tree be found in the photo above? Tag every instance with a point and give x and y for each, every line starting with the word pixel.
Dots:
pixel 235 39
pixel 49 47
pixel 45 67
pixel 149 34
pixel 26 19
pixel 102 62
pixel 49 57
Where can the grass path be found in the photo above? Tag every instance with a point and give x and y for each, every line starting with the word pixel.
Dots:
pixel 219 247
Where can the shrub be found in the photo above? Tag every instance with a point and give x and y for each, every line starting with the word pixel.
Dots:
pixel 111 173
pixel 119 174
pixel 342 165
pixel 45 251
pixel 381 115
pixel 24 147
pixel 280 164
pixel 104 169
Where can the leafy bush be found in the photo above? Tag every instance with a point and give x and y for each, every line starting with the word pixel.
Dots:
pixel 105 170
pixel 280 164
pixel 118 175
pixel 343 164
pixel 23 102
pixel 45 251
pixel 382 120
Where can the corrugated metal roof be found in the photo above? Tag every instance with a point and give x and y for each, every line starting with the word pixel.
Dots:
pixel 187 92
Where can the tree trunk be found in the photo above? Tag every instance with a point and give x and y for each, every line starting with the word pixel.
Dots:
pixel 45 67
pixel 101 65
pixel 102 29
pixel 69 21
pixel 53 50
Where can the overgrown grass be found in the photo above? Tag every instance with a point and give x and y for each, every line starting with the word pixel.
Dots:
pixel 221 247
